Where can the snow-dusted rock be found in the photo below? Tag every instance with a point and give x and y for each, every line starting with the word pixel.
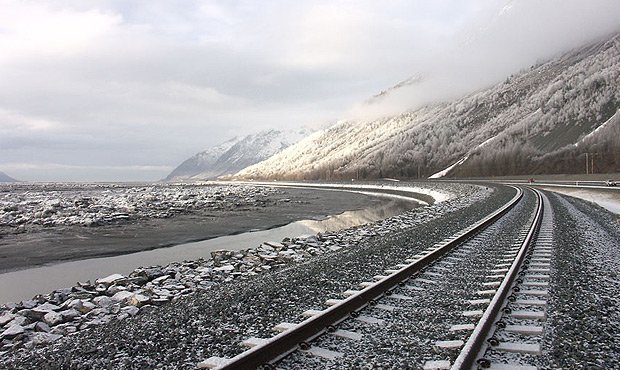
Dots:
pixel 41 327
pixel 266 248
pixel 275 245
pixel 53 318
pixel 122 296
pixel 64 329
pixel 112 290
pixel 46 307
pixel 225 268
pixel 5 318
pixel 103 301
pixel 161 279
pixel 130 310
pixel 69 314
pixel 110 279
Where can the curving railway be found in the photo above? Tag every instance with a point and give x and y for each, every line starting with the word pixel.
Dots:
pixel 479 336
pixel 507 278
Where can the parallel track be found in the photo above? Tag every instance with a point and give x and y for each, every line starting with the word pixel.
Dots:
pixel 482 339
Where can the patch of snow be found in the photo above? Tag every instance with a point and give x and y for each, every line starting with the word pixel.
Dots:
pixel 445 171
pixel 605 199
pixel 438 196
pixel 615 116
pixel 486 142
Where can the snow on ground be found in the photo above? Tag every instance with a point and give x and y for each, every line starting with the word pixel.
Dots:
pixel 616 116
pixel 445 171
pixel 438 196
pixel 609 200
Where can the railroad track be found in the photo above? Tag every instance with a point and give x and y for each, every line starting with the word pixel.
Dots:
pixel 480 344
pixel 509 335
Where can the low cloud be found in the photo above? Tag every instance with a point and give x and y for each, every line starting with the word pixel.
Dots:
pixel 498 40
pixel 32 171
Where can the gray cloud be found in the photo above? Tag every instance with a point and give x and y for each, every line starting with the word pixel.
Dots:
pixel 111 90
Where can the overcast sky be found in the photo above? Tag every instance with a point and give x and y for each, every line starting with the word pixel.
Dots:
pixel 126 90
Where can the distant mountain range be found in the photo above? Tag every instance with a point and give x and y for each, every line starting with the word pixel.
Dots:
pixel 236 154
pixel 6 178
pixel 541 120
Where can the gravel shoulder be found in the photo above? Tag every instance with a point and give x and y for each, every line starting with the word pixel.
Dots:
pixel 606 198
pixel 584 311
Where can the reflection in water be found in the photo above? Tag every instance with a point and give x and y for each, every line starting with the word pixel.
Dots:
pixel 24 284
pixel 359 217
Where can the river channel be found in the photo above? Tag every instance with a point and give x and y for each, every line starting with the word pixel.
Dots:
pixel 24 284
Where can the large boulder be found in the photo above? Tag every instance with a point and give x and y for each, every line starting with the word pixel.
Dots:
pixel 12 331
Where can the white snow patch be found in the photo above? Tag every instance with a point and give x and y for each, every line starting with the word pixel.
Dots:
pixel 486 142
pixel 615 116
pixel 438 196
pixel 445 171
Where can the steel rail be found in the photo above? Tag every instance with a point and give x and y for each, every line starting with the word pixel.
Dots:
pixel 476 345
pixel 277 347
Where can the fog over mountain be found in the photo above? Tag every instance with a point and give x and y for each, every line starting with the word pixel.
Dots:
pixel 541 120
pixel 499 41
pixel 108 90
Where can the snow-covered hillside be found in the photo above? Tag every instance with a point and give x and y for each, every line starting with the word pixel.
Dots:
pixel 202 162
pixel 236 154
pixel 533 113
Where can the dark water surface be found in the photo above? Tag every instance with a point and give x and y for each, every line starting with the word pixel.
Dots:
pixel 25 283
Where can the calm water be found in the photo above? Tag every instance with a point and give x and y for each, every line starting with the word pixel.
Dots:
pixel 24 284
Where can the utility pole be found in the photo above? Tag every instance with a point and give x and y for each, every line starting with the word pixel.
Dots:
pixel 586 163
pixel 600 155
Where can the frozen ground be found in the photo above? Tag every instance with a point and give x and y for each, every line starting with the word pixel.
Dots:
pixel 606 198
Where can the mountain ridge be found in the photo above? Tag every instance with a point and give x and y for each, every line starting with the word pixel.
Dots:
pixel 235 154
pixel 6 178
pixel 531 115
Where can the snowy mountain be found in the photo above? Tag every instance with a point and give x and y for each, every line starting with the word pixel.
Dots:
pixel 524 124
pixel 202 162
pixel 6 178
pixel 236 154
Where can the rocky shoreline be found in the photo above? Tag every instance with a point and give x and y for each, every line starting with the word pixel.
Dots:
pixel 47 318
